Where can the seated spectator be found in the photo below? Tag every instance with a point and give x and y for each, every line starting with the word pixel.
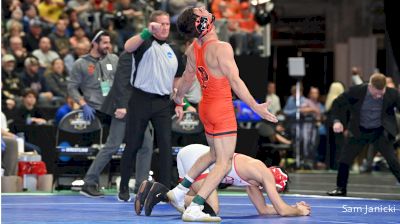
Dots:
pixel 224 11
pixel 44 53
pixel 60 39
pixel 80 49
pixel 31 78
pixel 78 37
pixel 11 83
pixel 28 113
pixel 30 13
pixel 128 17
pixel 51 10
pixel 16 18
pixel 19 52
pixel 247 37
pixel 33 36
pixel 14 30
pixel 56 78
pixel 11 150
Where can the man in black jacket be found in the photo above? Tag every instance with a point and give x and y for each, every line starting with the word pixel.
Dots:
pixel 115 105
pixel 372 121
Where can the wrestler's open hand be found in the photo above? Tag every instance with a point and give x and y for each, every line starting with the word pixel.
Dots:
pixel 262 110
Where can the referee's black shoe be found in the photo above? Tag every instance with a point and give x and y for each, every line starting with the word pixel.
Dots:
pixel 123 195
pixel 338 191
pixel 156 194
pixel 141 195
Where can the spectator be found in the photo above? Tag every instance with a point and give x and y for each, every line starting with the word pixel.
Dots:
pixel 275 105
pixel 247 37
pixel 320 141
pixel 51 10
pixel 14 30
pixel 33 36
pixel 11 83
pixel 28 113
pixel 19 52
pixel 80 49
pixel 30 13
pixel 128 16
pixel 44 53
pixel 59 38
pixel 31 78
pixel 78 37
pixel 56 79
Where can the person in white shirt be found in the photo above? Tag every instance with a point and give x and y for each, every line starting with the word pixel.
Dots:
pixel 275 105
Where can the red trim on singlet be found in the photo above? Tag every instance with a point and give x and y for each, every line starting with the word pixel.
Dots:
pixel 234 167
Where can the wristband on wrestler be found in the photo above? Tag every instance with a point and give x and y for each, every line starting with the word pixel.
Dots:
pixel 145 34
pixel 179 105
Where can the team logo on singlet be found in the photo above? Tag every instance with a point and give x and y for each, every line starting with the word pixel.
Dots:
pixel 203 77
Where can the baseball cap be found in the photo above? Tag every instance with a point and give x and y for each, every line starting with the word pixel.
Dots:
pixel 35 22
pixel 31 61
pixel 8 57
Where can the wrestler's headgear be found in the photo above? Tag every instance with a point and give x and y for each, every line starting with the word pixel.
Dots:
pixel 194 26
pixel 281 177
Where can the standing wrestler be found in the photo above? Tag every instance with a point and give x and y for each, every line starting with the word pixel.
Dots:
pixel 213 63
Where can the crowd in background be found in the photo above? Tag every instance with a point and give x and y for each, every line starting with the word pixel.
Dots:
pixel 42 39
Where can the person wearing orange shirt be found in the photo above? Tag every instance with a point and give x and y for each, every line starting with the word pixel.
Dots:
pixel 246 37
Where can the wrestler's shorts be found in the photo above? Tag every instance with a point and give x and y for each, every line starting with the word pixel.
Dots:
pixel 219 119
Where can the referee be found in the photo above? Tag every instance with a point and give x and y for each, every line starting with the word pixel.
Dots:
pixel 157 65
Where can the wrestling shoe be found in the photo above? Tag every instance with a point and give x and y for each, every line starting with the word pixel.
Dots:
pixel 156 194
pixel 176 197
pixel 194 213
pixel 141 195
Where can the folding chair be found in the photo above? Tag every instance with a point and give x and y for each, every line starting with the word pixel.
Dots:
pixel 72 156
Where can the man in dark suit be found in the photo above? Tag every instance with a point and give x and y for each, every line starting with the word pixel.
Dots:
pixel 115 105
pixel 372 121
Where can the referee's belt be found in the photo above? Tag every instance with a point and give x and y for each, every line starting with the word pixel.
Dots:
pixel 151 95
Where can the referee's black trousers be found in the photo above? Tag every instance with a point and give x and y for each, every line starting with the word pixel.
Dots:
pixel 144 107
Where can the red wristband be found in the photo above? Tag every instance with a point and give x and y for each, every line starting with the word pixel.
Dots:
pixel 179 105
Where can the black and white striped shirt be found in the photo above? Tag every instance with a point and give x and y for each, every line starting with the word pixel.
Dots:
pixel 157 63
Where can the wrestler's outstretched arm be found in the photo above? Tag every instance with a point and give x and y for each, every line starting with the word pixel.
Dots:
pixel 283 209
pixel 229 68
